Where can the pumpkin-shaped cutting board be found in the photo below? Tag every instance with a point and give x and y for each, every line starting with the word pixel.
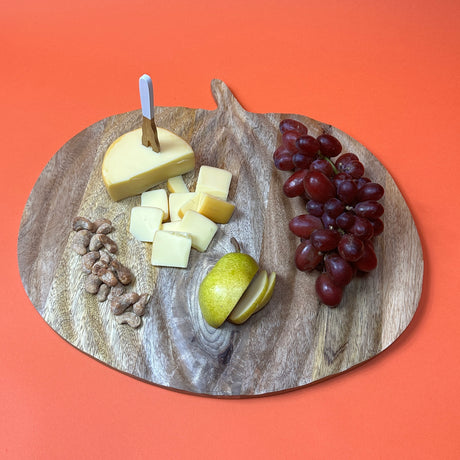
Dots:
pixel 292 342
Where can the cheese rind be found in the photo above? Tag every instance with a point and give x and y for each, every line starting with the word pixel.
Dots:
pixel 171 249
pixel 144 222
pixel 215 181
pixel 129 168
pixel 156 199
pixel 200 228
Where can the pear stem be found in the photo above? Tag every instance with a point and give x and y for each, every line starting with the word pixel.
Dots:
pixel 235 243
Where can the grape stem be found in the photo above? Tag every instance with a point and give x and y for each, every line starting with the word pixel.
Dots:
pixel 336 171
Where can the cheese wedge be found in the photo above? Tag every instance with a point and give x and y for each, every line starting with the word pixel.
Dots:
pixel 129 168
pixel 171 249
pixel 144 222
pixel 215 181
pixel 156 199
pixel 177 185
pixel 200 228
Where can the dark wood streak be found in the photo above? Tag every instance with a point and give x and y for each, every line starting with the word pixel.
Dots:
pixel 291 343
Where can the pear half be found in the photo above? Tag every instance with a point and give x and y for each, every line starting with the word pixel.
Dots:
pixel 224 285
pixel 251 299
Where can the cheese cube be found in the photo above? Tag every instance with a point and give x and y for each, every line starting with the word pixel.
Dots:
pixel 171 249
pixel 177 185
pixel 214 208
pixel 215 181
pixel 129 168
pixel 201 229
pixel 156 199
pixel 176 200
pixel 189 205
pixel 144 222
pixel 171 226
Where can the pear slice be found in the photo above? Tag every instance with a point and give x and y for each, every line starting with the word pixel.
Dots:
pixel 268 292
pixel 251 299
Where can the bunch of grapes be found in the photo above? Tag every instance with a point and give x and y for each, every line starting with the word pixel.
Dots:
pixel 342 209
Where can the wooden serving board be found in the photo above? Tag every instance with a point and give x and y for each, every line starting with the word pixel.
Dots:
pixel 292 342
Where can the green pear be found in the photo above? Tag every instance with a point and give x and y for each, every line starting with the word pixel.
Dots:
pixel 251 299
pixel 268 293
pixel 224 285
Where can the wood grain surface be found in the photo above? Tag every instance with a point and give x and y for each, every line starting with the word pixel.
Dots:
pixel 292 342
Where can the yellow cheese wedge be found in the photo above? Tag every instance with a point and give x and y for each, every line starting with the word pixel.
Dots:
pixel 171 249
pixel 177 185
pixel 144 222
pixel 129 168
pixel 215 181
pixel 176 201
pixel 156 199
pixel 200 228
pixel 219 211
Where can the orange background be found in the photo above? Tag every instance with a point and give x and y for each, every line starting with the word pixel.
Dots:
pixel 384 72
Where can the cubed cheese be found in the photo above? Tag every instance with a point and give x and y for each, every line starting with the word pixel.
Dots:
pixel 173 226
pixel 201 229
pixel 144 222
pixel 176 201
pixel 171 249
pixel 189 205
pixel 129 168
pixel 219 211
pixel 177 185
pixel 156 199
pixel 215 181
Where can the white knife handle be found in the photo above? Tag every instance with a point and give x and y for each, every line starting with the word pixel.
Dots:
pixel 146 93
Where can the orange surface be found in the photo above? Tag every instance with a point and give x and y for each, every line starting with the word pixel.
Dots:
pixel 384 72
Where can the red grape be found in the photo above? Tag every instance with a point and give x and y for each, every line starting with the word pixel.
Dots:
pixel 318 186
pixel 293 125
pixel 283 159
pixel 307 257
pixel 325 239
pixel 329 145
pixel 370 191
pixel 328 221
pixel 289 141
pixel 308 145
pixel 378 226
pixel 346 220
pixel 347 191
pixel 362 228
pixel 304 224
pixel 334 207
pixel 328 292
pixel 350 247
pixel 300 160
pixel 368 261
pixel 370 209
pixel 338 269
pixel 322 165
pixel 294 184
pixel 315 208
